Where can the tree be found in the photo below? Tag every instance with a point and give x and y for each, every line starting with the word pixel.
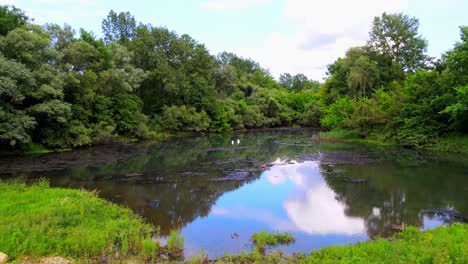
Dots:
pixel 119 27
pixel 395 36
pixel 286 80
pixel 455 77
pixel 31 91
pixel 363 75
pixel 60 37
pixel 11 18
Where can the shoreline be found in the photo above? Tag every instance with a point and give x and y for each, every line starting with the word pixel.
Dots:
pixel 444 243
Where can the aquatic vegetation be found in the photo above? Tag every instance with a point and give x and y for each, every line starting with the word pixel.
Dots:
pixel 200 258
pixel 441 245
pixel 175 243
pixel 264 238
pixel 150 248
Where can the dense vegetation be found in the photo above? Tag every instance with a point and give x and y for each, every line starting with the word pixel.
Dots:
pixel 61 89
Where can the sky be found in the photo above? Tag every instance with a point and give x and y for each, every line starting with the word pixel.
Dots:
pixel 294 36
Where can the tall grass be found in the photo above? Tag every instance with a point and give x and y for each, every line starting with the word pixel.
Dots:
pixel 175 243
pixel 40 221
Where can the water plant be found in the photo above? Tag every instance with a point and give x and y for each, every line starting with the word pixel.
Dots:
pixel 264 238
pixel 149 249
pixel 175 243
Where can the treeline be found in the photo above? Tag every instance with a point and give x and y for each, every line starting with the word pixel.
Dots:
pixel 66 89
pixel 391 89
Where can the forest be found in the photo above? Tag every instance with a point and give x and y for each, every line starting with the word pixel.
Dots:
pixel 62 89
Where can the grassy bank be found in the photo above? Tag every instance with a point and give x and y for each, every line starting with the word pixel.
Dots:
pixel 454 143
pixel 353 136
pixel 441 245
pixel 41 221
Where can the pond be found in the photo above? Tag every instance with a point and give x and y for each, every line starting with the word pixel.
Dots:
pixel 220 189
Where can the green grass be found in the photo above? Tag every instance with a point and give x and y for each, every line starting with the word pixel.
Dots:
pixel 441 245
pixel 150 249
pixel 456 143
pixel 36 148
pixel 339 135
pixel 354 136
pixel 263 239
pixel 175 243
pixel 272 239
pixel 41 221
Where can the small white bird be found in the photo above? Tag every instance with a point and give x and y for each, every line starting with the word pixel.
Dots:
pixel 238 141
pixel 232 142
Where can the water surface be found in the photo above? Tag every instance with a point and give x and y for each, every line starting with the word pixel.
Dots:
pixel 211 187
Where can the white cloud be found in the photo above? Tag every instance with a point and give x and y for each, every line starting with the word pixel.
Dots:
pixel 322 32
pixel 232 4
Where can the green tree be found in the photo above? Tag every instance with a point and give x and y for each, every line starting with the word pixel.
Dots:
pixel 119 27
pixel 455 78
pixel 33 85
pixel 395 36
pixel 11 18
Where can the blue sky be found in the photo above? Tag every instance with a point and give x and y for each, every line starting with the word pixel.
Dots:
pixel 296 36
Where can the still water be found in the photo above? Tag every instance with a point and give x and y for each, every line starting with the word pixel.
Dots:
pixel 215 189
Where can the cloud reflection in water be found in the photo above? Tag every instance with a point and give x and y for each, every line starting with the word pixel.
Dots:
pixel 312 207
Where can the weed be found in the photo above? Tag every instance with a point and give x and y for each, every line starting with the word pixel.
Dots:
pixel 175 243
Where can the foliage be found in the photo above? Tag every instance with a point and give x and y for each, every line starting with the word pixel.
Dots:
pixel 396 37
pixel 182 118
pixel 338 115
pixel 119 27
pixel 62 90
pixel 419 121
pixel 11 18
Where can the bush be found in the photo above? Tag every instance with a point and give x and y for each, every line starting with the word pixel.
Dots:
pixel 338 115
pixel 312 114
pixel 182 118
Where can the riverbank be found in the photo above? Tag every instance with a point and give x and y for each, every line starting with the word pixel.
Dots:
pixel 450 143
pixel 39 221
pixel 454 143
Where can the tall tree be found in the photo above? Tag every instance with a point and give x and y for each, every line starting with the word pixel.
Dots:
pixel 32 87
pixel 395 36
pixel 119 27
pixel 455 77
